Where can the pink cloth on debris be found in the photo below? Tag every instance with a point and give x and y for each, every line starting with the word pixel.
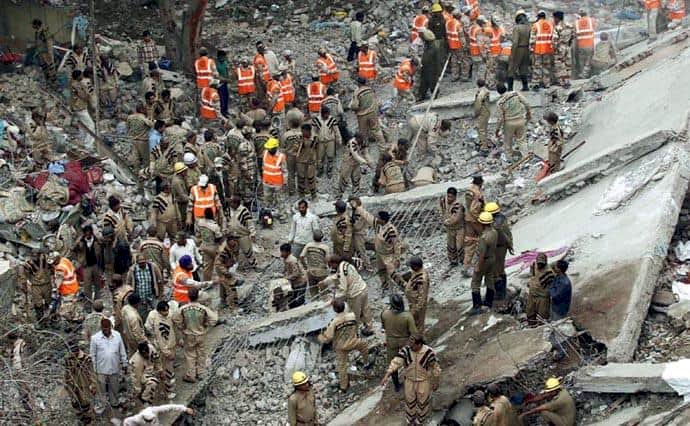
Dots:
pixel 528 257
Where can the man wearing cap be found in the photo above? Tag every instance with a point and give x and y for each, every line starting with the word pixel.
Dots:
pixel 80 382
pixel 314 257
pixel 179 189
pixel 66 285
pixel 366 107
pixel 159 325
pixel 341 231
pixel 486 264
pixel 399 326
pixel 560 410
pixel 563 36
pixel 453 211
pixel 191 161
pixel 146 279
pixel 328 137
pixel 350 287
pixel 541 45
pixel 342 331
pixel 504 244
pixel 306 158
pixel 224 268
pixel 538 298
pixel 474 205
pixel 301 402
pixel 350 167
pixel 241 224
pixel 138 126
pixel 195 319
pixel 203 196
pixel 519 60
pixel 416 284
pixel 274 176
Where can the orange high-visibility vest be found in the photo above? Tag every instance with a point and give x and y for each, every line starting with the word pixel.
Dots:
pixel 506 50
pixel 272 173
pixel 70 284
pixel 446 16
pixel 652 4
pixel 316 91
pixel 180 291
pixel 584 28
pixel 400 82
pixel 495 47
pixel 474 46
pixel 275 90
pixel 260 60
pixel 245 80
pixel 474 4
pixel 418 24
pixel 204 71
pixel 209 98
pixel 287 89
pixel 367 64
pixel 329 64
pixel 453 30
pixel 203 199
pixel 544 43
pixel 676 10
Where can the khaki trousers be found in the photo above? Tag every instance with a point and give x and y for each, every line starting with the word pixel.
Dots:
pixel 359 305
pixel 514 131
pixel 417 401
pixel 194 355
pixel 341 360
pixel 163 228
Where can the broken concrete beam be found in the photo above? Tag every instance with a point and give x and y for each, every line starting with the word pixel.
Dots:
pixel 294 322
pixel 679 313
pixel 461 105
pixel 622 378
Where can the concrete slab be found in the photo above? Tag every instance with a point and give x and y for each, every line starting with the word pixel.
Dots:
pixel 622 417
pixel 284 325
pixel 461 104
pixel 622 378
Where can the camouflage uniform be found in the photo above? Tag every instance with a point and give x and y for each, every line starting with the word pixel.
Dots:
pixel 555 147
pixel 366 106
pixel 80 382
pixel 454 222
pixel 290 143
pixel 563 34
pixel 247 163
pixel 306 167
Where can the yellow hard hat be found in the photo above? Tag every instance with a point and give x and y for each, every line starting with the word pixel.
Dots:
pixel 382 34
pixel 492 208
pixel 179 167
pixel 486 218
pixel 552 384
pixel 436 7
pixel 299 378
pixel 271 143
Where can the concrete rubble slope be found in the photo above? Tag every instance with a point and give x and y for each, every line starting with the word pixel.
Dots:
pixel 622 378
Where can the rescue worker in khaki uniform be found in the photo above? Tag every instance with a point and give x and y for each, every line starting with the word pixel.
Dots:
pixel 132 325
pixel 399 326
pixel 474 205
pixel 178 187
pixel 560 410
pixel 486 264
pixel 314 257
pixel 503 410
pixel 138 126
pixel 563 35
pixel 241 224
pixel 513 113
pixel 328 138
pixel 422 375
pixel 295 274
pixel 160 327
pixel 415 284
pixel 350 167
pixel 290 143
pixel 432 129
pixel 482 113
pixel 366 107
pixel 302 403
pixel 195 320
pixel 391 179
pixel 484 415
pixel 504 244
pixel 341 231
pixel 387 246
pixel 306 162
pixel 453 214
pixel 209 235
pixel 224 271
pixel 164 213
pixel 538 299
pixel 519 60
pixel 145 373
pixel 361 221
pixel 342 331
pixel 350 287
pixel 154 250
pixel 120 292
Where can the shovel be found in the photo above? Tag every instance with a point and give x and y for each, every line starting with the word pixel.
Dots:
pixel 546 167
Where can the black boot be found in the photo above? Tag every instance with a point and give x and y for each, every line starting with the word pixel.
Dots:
pixel 510 83
pixel 489 298
pixel 476 303
pixel 525 86
pixel 396 381
pixel 500 287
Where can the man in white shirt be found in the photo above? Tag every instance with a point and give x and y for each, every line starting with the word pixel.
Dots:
pixel 109 358
pixel 184 246
pixel 304 223
pixel 149 415
pixel 355 36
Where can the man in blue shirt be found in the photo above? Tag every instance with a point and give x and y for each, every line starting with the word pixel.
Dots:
pixel 561 292
pixel 156 134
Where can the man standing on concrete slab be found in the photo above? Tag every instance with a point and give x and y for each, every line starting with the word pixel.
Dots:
pixel 474 205
pixel 453 214
pixel 504 244
pixel 561 292
pixel 585 34
pixel 399 327
pixel 485 267
pixel 538 299
pixel 482 113
pixel 422 375
pixel 541 43
pixel 301 403
pixel 416 286
pixel 519 60
pixel 295 274
pixel 304 223
pixel 652 8
pixel 513 114
pixel 560 410
pixel 195 319
pixel 314 257
pixel 109 358
pixel 350 287
pixel 341 231
pixel 342 331
pixel 563 35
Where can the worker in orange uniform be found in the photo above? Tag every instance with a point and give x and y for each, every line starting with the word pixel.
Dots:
pixel 478 48
pixel 584 32
pixel 316 93
pixel 287 87
pixel 274 93
pixel 205 68
pixel 245 74
pixel 201 197
pixel 652 8
pixel 210 102
pixel 404 80
pixel 459 61
pixel 541 45
pixel 274 176
pixel 263 74
pixel 676 12
pixel 326 67
pixel 367 63
pixel 496 34
pixel 448 11
pixel 474 8
pixel 66 287
pixel 183 280
pixel 419 23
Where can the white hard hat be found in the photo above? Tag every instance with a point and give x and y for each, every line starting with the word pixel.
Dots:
pixel 287 52
pixel 189 158
pixel 203 180
pixel 53 256
pixel 148 414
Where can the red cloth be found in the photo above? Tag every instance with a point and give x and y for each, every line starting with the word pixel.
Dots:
pixel 78 182
pixel 527 258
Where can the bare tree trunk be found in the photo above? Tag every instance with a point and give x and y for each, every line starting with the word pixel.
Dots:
pixel 182 39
